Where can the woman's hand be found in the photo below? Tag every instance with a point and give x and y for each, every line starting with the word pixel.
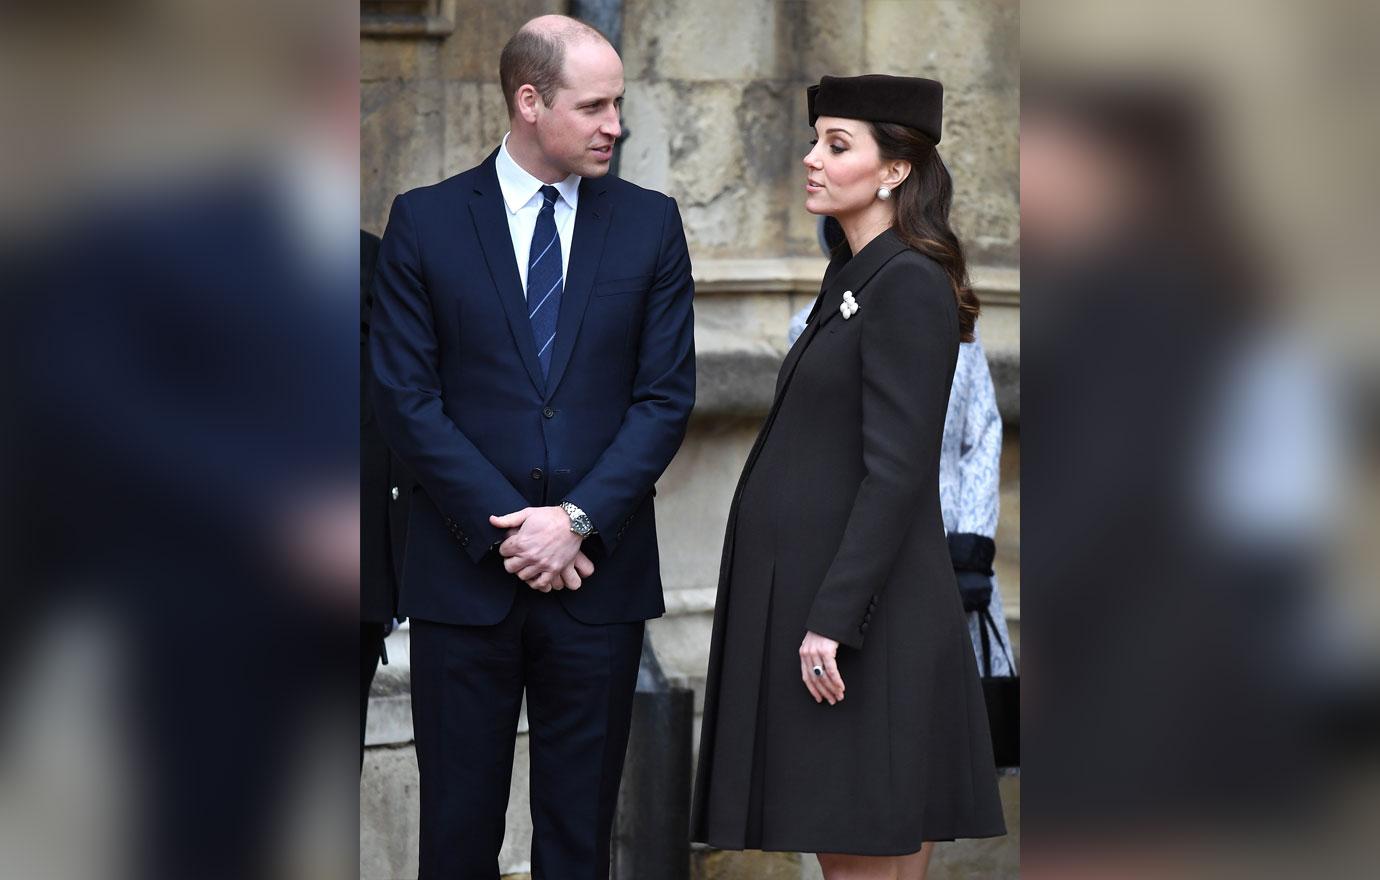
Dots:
pixel 817 650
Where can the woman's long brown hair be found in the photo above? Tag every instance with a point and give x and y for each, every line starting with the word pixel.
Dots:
pixel 922 212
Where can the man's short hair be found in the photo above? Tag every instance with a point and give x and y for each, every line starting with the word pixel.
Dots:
pixel 537 57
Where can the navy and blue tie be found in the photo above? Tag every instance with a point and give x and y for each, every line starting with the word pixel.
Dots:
pixel 544 280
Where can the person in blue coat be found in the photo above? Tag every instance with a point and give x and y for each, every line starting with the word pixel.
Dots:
pixel 533 353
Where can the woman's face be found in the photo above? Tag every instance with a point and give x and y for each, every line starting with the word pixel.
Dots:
pixel 843 168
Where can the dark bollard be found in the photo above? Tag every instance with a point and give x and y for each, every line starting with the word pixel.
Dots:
pixel 651 829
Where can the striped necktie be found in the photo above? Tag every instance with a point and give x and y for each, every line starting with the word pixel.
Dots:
pixel 544 280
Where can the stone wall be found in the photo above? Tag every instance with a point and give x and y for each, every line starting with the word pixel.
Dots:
pixel 715 111
pixel 715 107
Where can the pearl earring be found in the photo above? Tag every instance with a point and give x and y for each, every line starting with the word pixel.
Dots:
pixel 883 193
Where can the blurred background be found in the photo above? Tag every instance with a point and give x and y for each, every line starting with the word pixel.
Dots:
pixel 715 117
pixel 1198 208
pixel 178 213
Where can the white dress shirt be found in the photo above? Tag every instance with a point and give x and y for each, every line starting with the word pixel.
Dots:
pixel 522 197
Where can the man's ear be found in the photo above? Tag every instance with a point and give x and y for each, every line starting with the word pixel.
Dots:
pixel 526 99
pixel 895 172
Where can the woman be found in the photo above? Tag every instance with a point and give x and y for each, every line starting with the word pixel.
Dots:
pixel 843 712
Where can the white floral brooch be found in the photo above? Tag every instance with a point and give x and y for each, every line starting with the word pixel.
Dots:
pixel 849 307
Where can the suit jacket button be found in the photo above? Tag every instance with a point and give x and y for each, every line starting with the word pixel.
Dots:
pixel 536 473
pixel 395 493
pixel 549 413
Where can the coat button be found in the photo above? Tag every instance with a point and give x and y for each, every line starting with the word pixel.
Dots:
pixel 537 474
pixel 549 413
pixel 395 493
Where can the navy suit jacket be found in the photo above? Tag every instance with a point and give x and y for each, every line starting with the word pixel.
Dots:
pixel 459 393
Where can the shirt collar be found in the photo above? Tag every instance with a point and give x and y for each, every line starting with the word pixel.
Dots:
pixel 519 187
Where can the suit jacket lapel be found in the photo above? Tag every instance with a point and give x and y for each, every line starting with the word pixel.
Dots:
pixel 591 227
pixel 844 273
pixel 491 227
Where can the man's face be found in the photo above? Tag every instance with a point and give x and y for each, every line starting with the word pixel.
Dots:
pixel 577 132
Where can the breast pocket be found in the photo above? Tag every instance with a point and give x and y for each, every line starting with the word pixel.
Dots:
pixel 622 286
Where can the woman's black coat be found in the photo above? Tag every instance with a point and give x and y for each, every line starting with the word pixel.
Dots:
pixel 836 528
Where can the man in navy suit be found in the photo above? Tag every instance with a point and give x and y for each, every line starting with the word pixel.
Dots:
pixel 533 350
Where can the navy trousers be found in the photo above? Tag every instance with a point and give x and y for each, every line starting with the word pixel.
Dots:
pixel 467 688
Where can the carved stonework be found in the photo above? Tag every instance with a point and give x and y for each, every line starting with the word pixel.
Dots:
pixel 406 18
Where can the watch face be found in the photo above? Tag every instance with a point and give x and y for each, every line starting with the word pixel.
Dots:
pixel 579 520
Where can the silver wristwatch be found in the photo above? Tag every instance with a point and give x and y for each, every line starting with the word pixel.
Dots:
pixel 579 520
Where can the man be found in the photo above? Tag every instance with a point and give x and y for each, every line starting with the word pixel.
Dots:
pixel 533 352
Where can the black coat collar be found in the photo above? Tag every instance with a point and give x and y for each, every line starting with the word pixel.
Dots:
pixel 846 272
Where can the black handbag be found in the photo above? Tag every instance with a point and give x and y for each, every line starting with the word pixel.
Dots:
pixel 1003 697
pixel 972 557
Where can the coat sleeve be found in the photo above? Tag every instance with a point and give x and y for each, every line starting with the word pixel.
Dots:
pixel 663 395
pixel 979 461
pixel 405 355
pixel 909 347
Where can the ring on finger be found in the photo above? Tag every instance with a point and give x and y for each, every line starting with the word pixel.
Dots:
pixel 817 670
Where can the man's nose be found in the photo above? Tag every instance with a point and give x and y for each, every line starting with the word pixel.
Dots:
pixel 613 126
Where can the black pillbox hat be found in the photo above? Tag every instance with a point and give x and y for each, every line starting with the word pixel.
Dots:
pixel 876 97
